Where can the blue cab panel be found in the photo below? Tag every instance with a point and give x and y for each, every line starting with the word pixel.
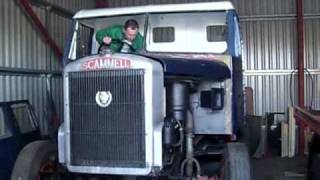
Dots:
pixel 202 68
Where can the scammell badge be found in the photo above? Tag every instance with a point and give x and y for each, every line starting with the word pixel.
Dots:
pixel 103 98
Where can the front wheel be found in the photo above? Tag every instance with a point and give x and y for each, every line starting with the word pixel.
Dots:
pixel 236 165
pixel 34 158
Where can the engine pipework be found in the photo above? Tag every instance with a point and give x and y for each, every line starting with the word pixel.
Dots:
pixel 178 100
pixel 188 162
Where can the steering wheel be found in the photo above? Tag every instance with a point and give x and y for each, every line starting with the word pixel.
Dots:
pixel 126 46
pixel 104 49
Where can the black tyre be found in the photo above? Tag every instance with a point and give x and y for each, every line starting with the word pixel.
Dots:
pixel 32 159
pixel 236 165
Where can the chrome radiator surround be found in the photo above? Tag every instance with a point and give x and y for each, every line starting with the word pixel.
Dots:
pixel 154 114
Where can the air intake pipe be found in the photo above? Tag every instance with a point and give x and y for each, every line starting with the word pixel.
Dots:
pixel 178 101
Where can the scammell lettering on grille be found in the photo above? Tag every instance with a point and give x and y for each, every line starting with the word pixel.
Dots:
pixel 106 63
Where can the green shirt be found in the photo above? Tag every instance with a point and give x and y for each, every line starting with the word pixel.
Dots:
pixel 116 34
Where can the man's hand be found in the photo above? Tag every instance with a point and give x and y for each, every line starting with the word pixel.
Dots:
pixel 107 40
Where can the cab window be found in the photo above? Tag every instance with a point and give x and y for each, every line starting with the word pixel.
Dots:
pixel 23 117
pixel 4 129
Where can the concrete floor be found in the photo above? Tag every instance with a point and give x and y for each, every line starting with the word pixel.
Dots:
pixel 276 168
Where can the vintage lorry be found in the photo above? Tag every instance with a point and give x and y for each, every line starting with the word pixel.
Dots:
pixel 172 110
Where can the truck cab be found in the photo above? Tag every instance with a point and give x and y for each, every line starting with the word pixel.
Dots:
pixel 160 111
pixel 172 110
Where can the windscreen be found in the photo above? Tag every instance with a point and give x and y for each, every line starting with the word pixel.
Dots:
pixel 84 41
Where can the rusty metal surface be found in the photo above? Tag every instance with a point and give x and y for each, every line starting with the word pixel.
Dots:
pixel 309 118
pixel 300 36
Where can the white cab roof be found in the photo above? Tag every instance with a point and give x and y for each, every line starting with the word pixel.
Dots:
pixel 103 12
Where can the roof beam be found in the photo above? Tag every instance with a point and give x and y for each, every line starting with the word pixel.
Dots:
pixel 41 28
pixel 53 8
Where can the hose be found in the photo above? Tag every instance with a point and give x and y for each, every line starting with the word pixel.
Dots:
pixel 179 143
pixel 195 162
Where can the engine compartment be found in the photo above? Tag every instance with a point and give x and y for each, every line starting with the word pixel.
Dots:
pixel 185 117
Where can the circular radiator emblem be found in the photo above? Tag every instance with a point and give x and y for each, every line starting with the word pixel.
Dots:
pixel 103 98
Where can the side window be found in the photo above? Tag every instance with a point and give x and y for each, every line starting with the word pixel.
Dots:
pixel 83 41
pixel 163 34
pixel 4 131
pixel 216 33
pixel 23 117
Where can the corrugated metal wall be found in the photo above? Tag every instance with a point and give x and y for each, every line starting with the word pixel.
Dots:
pixel 24 57
pixel 270 46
